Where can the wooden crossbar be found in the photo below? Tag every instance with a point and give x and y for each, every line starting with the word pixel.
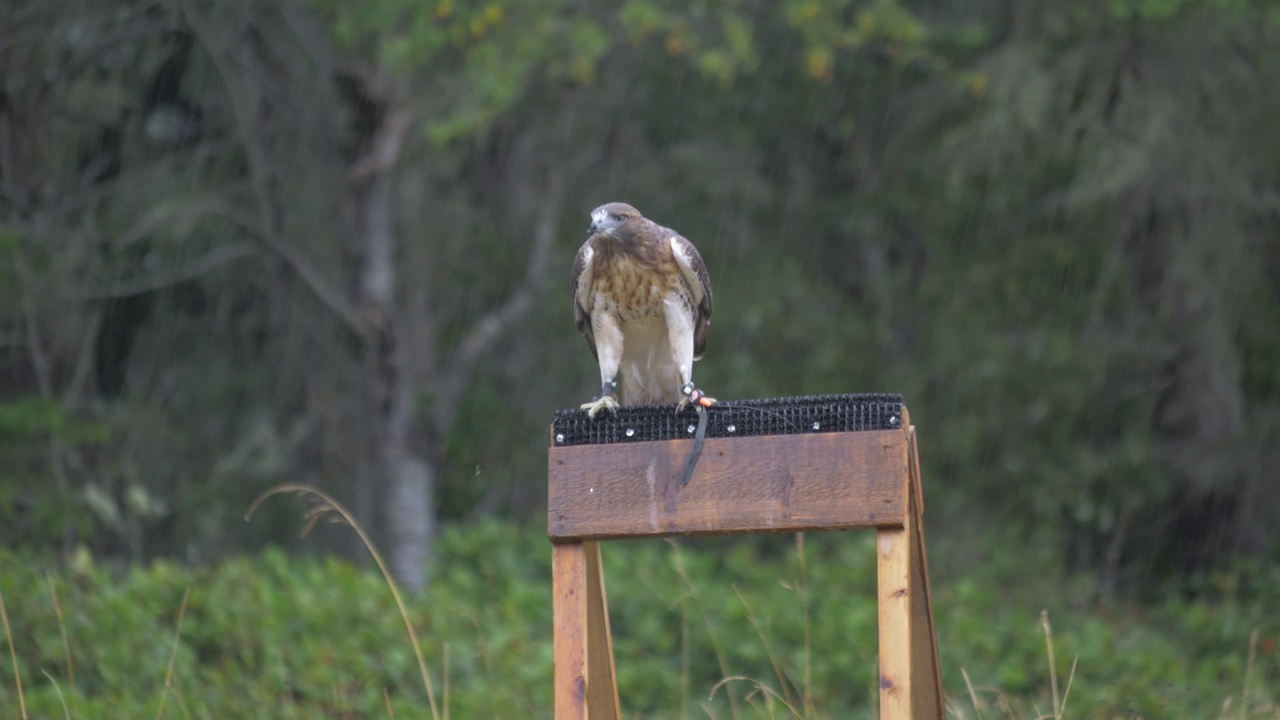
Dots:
pixel 779 483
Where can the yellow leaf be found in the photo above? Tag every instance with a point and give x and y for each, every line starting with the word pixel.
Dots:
pixel 444 9
pixel 978 86
pixel 676 41
pixel 866 23
pixel 81 561
pixel 820 63
pixel 493 13
pixel 582 69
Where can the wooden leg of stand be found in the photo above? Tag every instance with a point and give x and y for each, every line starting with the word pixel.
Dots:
pixel 909 687
pixel 925 630
pixel 569 633
pixel 602 685
pixel 894 585
pixel 582 648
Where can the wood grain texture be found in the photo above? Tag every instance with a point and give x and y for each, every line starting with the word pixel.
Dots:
pixel 926 668
pixel 750 484
pixel 602 684
pixel 569 618
pixel 910 677
pixel 778 483
pixel 893 575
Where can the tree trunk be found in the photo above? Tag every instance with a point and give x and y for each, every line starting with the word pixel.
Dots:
pixel 394 373
pixel 409 481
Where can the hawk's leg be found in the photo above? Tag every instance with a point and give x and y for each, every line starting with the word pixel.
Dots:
pixel 679 316
pixel 608 400
pixel 690 395
pixel 609 342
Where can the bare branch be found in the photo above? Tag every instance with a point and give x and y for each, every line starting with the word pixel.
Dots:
pixel 83 197
pixel 213 259
pixel 319 287
pixel 386 152
pixel 292 257
pixel 84 358
pixel 8 189
pixel 489 329
pixel 35 344
pixel 40 362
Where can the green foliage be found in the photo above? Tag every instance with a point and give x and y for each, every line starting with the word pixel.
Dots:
pixel 495 50
pixel 33 430
pixel 1050 225
pixel 301 637
pixel 500 50
pixel 31 418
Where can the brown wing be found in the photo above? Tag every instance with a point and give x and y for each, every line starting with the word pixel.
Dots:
pixel 581 280
pixel 699 282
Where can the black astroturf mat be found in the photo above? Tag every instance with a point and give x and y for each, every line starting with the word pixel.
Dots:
pixel 739 418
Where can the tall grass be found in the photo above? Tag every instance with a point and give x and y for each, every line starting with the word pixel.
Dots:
pixel 780 684
pixel 326 506
pixel 13 656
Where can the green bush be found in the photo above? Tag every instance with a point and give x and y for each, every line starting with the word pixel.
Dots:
pixel 282 636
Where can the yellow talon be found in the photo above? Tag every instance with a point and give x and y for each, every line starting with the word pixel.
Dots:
pixel 601 403
pixel 693 395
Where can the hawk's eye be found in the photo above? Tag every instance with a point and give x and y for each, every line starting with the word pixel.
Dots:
pixel 620 218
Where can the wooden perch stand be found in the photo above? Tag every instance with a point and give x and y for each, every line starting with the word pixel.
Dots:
pixel 753 484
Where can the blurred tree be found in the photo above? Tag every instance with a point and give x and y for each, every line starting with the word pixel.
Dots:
pixel 1107 292
pixel 251 241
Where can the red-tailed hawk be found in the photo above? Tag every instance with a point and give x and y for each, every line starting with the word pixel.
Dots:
pixel 642 298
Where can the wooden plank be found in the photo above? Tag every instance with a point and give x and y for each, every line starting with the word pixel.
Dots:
pixel 893 576
pixel 778 483
pixel 926 667
pixel 913 459
pixel 602 685
pixel 910 676
pixel 893 588
pixel 569 618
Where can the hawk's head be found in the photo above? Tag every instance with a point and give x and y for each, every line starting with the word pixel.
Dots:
pixel 611 219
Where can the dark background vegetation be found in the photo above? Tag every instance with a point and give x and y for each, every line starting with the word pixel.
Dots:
pixel 246 242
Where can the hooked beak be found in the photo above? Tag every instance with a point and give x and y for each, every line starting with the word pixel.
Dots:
pixel 595 227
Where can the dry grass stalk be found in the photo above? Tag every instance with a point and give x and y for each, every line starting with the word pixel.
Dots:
pixel 62 630
pixel 173 653
pixel 13 656
pixel 328 505
pixel 706 620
